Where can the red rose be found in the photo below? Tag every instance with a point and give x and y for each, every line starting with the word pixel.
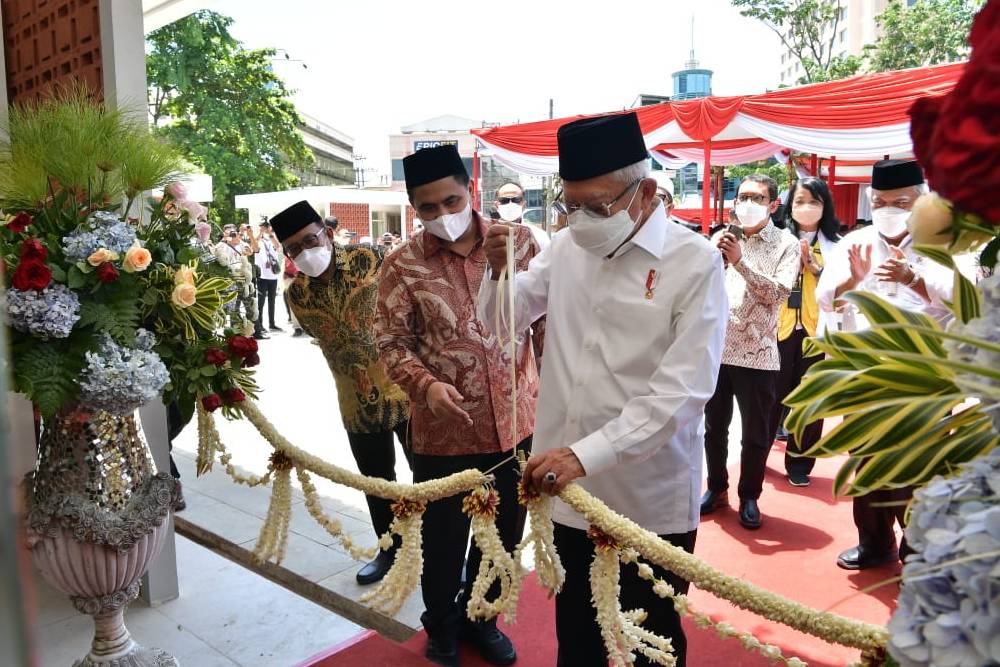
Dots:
pixel 216 357
pixel 20 222
pixel 242 346
pixel 987 22
pixel 212 402
pixel 32 249
pixel 251 361
pixel 31 275
pixel 234 395
pixel 107 273
pixel 924 114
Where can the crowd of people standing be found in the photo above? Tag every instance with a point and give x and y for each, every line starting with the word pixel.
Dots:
pixel 650 330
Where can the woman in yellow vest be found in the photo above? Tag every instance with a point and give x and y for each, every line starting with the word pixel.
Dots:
pixel 809 214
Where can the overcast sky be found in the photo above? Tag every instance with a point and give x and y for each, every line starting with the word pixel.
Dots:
pixel 376 65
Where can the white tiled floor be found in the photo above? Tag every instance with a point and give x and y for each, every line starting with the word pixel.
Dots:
pixel 226 616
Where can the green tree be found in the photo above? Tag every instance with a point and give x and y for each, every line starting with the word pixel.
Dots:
pixel 769 167
pixel 928 32
pixel 223 105
pixel 807 29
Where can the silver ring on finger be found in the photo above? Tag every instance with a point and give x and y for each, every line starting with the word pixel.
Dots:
pixel 550 477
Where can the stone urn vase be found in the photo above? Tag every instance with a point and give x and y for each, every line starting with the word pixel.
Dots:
pixel 96 520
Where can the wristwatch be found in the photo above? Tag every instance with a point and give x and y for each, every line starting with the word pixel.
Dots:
pixel 915 279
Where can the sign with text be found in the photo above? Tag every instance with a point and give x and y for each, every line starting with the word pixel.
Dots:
pixel 433 143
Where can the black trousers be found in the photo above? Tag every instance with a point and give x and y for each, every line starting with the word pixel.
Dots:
pixel 579 635
pixel 446 534
pixel 266 289
pixel 375 454
pixel 876 522
pixel 754 392
pixel 793 367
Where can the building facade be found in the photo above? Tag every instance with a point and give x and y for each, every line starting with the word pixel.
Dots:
pixel 847 36
pixel 333 153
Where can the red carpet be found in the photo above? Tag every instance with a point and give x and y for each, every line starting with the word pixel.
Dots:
pixel 794 554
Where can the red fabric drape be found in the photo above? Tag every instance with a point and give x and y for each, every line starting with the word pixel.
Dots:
pixel 845 202
pixel 870 100
pixel 705 117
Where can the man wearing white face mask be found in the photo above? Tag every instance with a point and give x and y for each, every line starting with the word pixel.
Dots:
pixel 510 207
pixel 457 376
pixel 636 313
pixel 881 259
pixel 762 267
pixel 333 300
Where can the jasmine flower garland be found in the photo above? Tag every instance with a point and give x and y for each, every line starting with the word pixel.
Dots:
pixel 103 229
pixel 50 313
pixel 119 379
pixel 948 610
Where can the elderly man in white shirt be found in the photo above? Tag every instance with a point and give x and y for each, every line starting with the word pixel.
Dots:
pixel 636 318
pixel 880 259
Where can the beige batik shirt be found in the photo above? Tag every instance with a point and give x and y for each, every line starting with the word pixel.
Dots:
pixel 757 286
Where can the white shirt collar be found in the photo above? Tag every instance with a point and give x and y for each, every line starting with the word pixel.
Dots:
pixel 652 235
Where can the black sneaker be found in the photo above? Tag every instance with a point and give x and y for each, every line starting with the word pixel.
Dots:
pixel 494 646
pixel 798 479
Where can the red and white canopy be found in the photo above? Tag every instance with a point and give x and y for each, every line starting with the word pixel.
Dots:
pixel 859 118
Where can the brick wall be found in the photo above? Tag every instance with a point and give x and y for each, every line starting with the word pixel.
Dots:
pixel 49 41
pixel 354 217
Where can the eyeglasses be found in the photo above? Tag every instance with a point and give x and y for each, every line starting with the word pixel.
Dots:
pixel 756 199
pixel 311 241
pixel 599 210
pixel 510 200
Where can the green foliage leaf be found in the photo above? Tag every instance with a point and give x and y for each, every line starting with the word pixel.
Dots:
pixel 46 373
pixel 75 278
pixel 117 314
pixel 58 273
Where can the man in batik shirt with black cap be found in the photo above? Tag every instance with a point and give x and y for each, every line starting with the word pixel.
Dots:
pixel 458 379
pixel 333 299
pixel 636 314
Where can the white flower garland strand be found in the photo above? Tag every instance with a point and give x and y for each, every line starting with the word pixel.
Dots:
pixel 683 606
pixel 482 506
pixel 620 630
pixel 825 625
pixel 404 575
pixel 273 538
pixel 548 565
pixel 451 485
pixel 332 526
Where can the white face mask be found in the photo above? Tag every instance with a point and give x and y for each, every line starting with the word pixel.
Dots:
pixel 314 261
pixel 450 226
pixel 750 214
pixel 510 212
pixel 807 215
pixel 890 221
pixel 601 236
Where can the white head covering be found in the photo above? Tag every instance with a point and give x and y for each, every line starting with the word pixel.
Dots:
pixel 663 181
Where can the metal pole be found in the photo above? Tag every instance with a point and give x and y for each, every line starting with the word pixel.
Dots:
pixel 706 206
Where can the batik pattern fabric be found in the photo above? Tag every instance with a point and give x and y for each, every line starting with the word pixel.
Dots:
pixel 428 332
pixel 339 314
pixel 757 286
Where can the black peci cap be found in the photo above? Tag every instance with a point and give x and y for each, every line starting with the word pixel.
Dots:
pixel 592 147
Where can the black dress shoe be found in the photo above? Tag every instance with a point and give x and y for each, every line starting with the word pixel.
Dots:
pixel 713 500
pixel 749 514
pixel 274 328
pixel 298 332
pixel 260 335
pixel 442 650
pixel 494 646
pixel 860 559
pixel 375 570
